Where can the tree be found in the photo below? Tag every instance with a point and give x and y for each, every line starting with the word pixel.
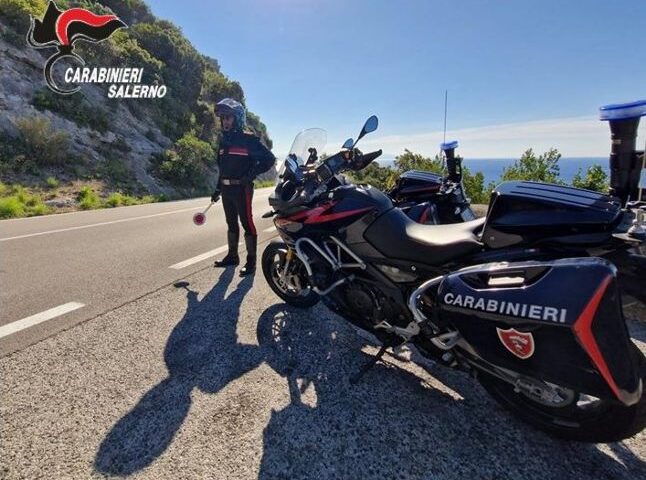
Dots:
pixel 183 73
pixel 414 161
pixel 373 174
pixel 130 11
pixel 595 179
pixel 187 162
pixel 474 185
pixel 16 12
pixel 544 168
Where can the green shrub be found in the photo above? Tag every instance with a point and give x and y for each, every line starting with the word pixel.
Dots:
pixel 595 179
pixel 119 199
pixel 114 200
pixel 33 201
pixel 38 209
pixel 373 174
pixel 16 12
pixel 475 187
pixel 88 199
pixel 40 143
pixel 52 182
pixel 544 168
pixel 414 161
pixel 19 202
pixel 20 193
pixel 186 164
pixel 130 11
pixel 151 199
pixel 11 207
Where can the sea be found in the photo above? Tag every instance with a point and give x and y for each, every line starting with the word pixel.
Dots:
pixel 492 167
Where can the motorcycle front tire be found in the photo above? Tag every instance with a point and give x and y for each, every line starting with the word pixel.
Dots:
pixel 272 257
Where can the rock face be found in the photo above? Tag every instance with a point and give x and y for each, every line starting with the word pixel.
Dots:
pixel 21 76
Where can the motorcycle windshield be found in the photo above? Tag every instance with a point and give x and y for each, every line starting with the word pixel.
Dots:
pixel 310 138
pixel 298 154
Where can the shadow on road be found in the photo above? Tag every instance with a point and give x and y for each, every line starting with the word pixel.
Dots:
pixel 393 424
pixel 201 352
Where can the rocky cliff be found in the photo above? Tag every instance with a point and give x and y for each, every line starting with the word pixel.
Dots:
pixel 140 146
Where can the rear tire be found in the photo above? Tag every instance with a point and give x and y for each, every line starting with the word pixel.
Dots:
pixel 600 421
pixel 273 260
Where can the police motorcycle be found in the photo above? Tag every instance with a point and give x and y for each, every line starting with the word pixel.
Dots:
pixel 428 197
pixel 519 299
pixel 431 198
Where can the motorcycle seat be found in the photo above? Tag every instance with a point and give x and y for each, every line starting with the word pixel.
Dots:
pixel 397 236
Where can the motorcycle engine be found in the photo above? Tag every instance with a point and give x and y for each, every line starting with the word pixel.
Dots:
pixel 372 305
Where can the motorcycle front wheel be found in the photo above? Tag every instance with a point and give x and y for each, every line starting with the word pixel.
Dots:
pixel 291 284
pixel 584 418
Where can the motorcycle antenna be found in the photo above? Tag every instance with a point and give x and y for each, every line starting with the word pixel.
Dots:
pixel 446 98
pixel 446 101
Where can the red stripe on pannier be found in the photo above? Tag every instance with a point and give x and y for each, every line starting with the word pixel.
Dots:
pixel 583 330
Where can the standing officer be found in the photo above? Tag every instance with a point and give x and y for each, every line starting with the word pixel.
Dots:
pixel 241 157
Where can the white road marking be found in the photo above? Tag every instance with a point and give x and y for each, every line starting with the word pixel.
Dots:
pixel 41 317
pixel 270 229
pixel 80 227
pixel 199 258
pixel 205 255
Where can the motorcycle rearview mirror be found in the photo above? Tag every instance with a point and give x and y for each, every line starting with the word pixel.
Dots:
pixel 370 126
pixel 313 156
pixel 348 144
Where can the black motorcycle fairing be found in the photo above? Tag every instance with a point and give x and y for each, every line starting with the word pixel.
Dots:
pixel 416 185
pixel 445 194
pixel 526 212
pixel 533 304
pixel 426 213
pixel 397 236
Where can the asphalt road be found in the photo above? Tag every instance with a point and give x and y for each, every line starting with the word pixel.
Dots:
pixel 101 259
pixel 215 378
pixel 207 375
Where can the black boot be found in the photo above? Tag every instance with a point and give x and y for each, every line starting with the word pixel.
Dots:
pixel 249 268
pixel 231 257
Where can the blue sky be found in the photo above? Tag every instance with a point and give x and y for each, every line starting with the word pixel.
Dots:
pixel 519 73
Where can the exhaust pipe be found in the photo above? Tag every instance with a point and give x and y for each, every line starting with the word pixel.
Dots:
pixel 625 161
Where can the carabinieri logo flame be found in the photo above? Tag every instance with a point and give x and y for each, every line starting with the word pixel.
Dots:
pixel 62 29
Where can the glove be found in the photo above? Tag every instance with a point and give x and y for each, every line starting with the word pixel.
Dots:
pixel 215 196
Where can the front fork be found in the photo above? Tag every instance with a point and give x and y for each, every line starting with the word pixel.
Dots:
pixel 288 260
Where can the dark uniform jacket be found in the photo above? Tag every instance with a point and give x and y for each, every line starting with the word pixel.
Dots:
pixel 242 157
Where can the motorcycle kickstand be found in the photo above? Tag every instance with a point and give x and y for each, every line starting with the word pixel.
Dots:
pixel 354 379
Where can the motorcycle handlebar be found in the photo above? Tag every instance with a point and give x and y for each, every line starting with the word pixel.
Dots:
pixel 369 157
